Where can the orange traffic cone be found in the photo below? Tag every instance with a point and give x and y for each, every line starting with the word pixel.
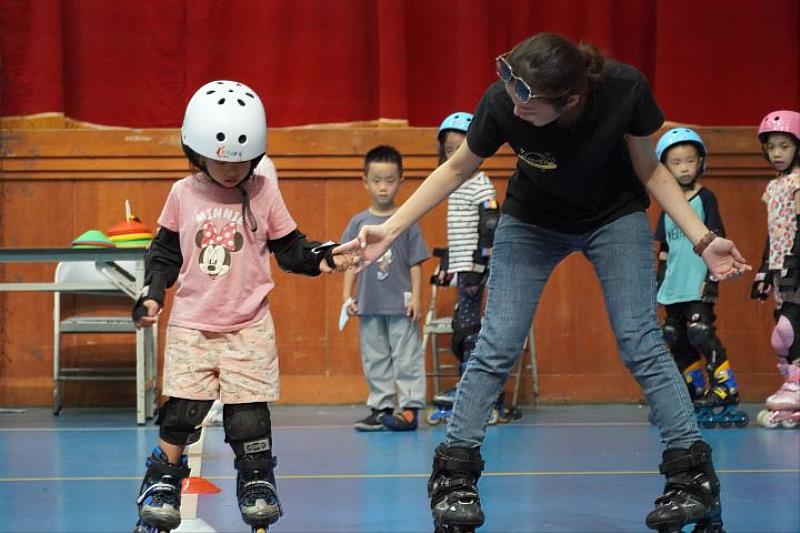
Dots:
pixel 198 485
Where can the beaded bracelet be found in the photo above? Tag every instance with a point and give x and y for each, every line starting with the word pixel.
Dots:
pixel 703 243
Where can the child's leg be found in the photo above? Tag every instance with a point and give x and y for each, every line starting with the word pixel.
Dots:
pixel 466 318
pixel 783 407
pixel 189 372
pixel 376 358
pixel 703 336
pixel 160 494
pixel 248 430
pixel 408 364
pixel 686 356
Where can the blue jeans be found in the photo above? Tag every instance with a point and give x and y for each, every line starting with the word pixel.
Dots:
pixel 524 255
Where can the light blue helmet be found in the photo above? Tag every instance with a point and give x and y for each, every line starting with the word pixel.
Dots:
pixel 458 121
pixel 677 136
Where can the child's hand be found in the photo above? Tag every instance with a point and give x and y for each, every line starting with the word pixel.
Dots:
pixel 146 314
pixel 414 309
pixel 762 286
pixel 346 257
pixel 352 307
pixel 344 262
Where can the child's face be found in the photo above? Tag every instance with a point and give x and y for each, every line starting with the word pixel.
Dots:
pixel 228 175
pixel 781 150
pixel 382 181
pixel 684 162
pixel 452 141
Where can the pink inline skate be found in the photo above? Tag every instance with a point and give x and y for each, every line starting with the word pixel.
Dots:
pixel 783 407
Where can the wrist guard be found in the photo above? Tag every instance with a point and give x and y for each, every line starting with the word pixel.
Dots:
pixel 296 254
pixel 710 291
pixel 764 276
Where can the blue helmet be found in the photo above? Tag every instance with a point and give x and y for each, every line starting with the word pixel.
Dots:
pixel 677 136
pixel 458 121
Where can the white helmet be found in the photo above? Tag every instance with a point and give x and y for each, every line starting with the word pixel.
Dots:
pixel 225 121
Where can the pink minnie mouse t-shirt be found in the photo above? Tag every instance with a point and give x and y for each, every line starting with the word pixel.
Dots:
pixel 225 277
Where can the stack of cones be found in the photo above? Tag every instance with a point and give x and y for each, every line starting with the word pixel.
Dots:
pixel 130 233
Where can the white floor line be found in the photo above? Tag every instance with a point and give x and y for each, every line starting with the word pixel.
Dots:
pixel 189 521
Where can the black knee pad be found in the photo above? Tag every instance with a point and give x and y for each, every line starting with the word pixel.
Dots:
pixel 179 420
pixel 672 332
pixel 700 334
pixel 248 428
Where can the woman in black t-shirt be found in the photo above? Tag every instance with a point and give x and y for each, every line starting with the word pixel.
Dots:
pixel 580 126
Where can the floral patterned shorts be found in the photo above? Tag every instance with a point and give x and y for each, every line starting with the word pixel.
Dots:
pixel 236 367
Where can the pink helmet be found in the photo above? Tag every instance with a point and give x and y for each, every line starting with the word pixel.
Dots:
pixel 782 121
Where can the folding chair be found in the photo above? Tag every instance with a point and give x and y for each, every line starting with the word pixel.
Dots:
pixel 85 272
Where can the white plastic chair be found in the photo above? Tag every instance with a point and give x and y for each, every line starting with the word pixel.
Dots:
pixel 88 280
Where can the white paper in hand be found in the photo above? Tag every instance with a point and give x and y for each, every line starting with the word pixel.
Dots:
pixel 343 316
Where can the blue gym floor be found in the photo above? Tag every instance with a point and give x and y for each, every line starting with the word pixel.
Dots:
pixel 560 468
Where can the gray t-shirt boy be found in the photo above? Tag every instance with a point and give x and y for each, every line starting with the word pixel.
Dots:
pixel 382 284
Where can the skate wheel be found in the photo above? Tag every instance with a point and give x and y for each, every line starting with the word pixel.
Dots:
pixel 789 424
pixel 708 423
pixel 430 417
pixel 726 422
pixel 259 530
pixel 742 420
pixel 765 419
pixel 494 418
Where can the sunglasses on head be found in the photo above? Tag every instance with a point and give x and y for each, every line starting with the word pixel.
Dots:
pixel 521 89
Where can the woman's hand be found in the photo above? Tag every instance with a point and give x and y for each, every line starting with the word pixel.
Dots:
pixel 374 241
pixel 724 260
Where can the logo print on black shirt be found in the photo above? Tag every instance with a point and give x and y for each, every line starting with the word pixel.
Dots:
pixel 539 160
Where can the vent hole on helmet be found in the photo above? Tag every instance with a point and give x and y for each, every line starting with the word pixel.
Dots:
pixel 250 95
pixel 219 83
pixel 230 90
pixel 221 137
pixel 221 101
pixel 240 102
pixel 212 91
pixel 242 139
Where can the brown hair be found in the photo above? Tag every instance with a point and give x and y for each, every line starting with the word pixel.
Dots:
pixel 554 66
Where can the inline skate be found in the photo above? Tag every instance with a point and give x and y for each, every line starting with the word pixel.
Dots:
pixel 691 494
pixel 256 491
pixel 159 498
pixel 719 406
pixel 442 410
pixel 453 489
pixel 783 407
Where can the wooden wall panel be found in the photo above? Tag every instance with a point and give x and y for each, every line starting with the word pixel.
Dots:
pixel 55 184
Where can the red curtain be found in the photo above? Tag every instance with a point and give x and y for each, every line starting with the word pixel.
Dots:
pixel 133 63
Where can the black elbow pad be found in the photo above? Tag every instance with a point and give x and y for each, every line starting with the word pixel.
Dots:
pixel 488 218
pixel 163 263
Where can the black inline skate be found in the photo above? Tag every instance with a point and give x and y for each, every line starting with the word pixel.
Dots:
pixel 691 495
pixel 256 490
pixel 159 498
pixel 453 490
pixel 719 406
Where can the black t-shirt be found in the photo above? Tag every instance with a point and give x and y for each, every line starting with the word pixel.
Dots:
pixel 572 179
